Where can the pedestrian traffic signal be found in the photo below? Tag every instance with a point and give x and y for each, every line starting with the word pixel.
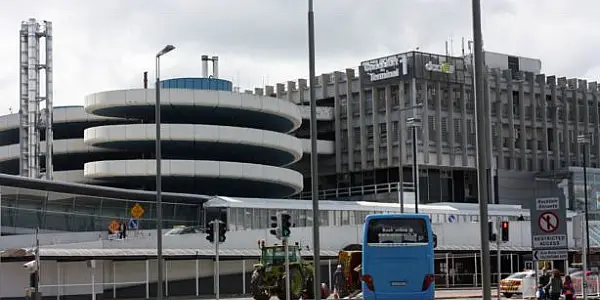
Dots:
pixel 210 232
pixel 505 231
pixel 491 233
pixel 275 228
pixel 286 224
pixel 222 231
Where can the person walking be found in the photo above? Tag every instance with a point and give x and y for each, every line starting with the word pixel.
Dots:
pixel 544 279
pixel 555 285
pixel 568 288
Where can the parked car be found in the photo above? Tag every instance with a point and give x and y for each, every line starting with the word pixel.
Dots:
pixel 183 230
pixel 513 284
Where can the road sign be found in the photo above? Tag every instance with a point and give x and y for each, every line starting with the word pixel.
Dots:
pixel 133 224
pixel 114 226
pixel 549 227
pixel 559 254
pixel 137 211
pixel 548 222
pixel 451 218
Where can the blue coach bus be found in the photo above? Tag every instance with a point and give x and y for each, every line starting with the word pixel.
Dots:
pixel 397 257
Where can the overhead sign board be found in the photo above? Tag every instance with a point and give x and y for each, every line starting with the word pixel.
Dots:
pixel 549 228
pixel 388 67
pixel 559 254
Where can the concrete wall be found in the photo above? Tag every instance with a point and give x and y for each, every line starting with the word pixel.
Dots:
pixel 515 187
pixel 521 188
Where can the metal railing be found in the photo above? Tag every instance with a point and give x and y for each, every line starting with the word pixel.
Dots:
pixel 359 191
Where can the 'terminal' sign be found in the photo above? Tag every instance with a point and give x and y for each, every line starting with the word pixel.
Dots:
pixel 385 67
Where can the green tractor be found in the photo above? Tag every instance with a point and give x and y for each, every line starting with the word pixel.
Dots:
pixel 268 278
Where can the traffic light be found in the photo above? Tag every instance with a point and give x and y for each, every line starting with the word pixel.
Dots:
pixel 210 232
pixel 491 233
pixel 505 231
pixel 222 231
pixel 275 228
pixel 286 224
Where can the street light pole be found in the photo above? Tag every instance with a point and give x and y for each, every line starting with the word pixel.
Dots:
pixel 415 122
pixel 583 139
pixel 482 153
pixel 400 164
pixel 314 174
pixel 159 275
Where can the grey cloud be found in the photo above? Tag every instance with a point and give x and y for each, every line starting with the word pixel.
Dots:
pixel 107 44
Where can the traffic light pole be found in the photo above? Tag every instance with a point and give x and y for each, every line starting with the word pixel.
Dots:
pixel 217 271
pixel 499 238
pixel 288 292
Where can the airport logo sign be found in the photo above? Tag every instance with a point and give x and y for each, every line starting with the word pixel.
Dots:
pixel 385 67
pixel 444 67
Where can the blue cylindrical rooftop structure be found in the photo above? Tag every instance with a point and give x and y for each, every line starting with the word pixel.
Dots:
pixel 195 83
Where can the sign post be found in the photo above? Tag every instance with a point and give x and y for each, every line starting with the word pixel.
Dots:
pixel 549 230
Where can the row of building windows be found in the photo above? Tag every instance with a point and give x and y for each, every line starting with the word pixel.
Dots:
pixel 259 218
pixel 566 109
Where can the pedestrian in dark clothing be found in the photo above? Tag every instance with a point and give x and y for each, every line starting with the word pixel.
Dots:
pixel 555 285
pixel 544 279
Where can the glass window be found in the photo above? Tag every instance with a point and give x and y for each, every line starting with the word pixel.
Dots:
pixel 302 214
pixel 397 231
pixel 324 218
pixel 345 218
pixel 247 218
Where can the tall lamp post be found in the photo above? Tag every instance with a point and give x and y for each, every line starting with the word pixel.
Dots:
pixel 584 140
pixel 415 123
pixel 400 165
pixel 314 159
pixel 159 277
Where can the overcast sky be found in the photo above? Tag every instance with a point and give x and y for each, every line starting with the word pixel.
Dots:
pixel 106 45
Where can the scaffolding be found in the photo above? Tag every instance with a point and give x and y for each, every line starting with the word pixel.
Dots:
pixel 34 123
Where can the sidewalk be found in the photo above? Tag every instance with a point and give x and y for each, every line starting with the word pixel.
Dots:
pixel 460 294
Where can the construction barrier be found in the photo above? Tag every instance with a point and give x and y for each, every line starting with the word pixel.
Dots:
pixel 593 285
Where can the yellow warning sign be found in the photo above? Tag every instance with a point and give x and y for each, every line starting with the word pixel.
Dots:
pixel 137 211
pixel 114 226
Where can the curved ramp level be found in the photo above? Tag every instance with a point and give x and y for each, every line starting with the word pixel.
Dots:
pixel 212 142
pixel 198 106
pixel 210 177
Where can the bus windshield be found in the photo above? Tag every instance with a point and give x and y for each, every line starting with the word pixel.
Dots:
pixel 397 231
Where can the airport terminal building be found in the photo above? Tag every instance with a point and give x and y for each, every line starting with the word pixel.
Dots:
pixel 218 140
pixel 222 146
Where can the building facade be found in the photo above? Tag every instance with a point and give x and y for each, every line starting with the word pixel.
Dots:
pixel 535 123
pixel 363 136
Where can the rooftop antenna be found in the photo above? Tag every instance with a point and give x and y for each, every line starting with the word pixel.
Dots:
pixel 452 44
pixel 463 46
pixel 446 48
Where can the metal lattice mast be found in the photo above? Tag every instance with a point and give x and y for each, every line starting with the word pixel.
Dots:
pixel 32 120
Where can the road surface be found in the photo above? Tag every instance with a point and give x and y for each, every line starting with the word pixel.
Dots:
pixel 472 294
